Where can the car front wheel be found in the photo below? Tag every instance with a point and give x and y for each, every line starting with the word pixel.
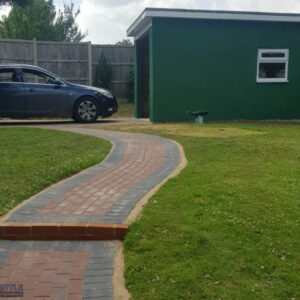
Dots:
pixel 86 110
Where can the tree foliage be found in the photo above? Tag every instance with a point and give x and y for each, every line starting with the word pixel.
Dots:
pixel 38 19
pixel 124 42
pixel 66 27
pixel 35 20
pixel 103 74
pixel 11 2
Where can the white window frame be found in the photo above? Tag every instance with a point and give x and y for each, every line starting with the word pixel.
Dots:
pixel 261 59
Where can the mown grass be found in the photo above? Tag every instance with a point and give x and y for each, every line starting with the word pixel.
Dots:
pixel 32 159
pixel 228 226
pixel 125 110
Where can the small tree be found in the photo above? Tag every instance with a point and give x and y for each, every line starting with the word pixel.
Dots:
pixel 103 73
pixel 131 86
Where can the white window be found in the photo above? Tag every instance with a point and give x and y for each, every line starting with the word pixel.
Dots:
pixel 272 65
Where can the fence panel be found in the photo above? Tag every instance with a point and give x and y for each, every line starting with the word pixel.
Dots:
pixel 69 61
pixel 76 62
pixel 121 60
pixel 15 51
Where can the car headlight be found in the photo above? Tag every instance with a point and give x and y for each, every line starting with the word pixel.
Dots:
pixel 106 93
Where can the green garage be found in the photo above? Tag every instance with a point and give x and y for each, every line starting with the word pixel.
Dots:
pixel 234 65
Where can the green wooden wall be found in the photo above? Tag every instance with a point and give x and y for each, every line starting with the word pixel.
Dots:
pixel 212 64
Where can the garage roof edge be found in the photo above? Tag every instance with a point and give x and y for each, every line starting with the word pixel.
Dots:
pixel 149 13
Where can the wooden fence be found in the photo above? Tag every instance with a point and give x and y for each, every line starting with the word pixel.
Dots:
pixel 75 62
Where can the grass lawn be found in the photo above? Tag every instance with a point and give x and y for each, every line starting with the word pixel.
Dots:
pixel 228 226
pixel 125 110
pixel 32 159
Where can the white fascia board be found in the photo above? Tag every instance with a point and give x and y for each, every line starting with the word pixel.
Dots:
pixel 137 23
pixel 211 15
pixel 139 33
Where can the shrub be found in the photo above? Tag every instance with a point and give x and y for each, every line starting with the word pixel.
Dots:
pixel 103 73
pixel 131 86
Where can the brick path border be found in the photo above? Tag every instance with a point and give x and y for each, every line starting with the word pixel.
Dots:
pixel 55 231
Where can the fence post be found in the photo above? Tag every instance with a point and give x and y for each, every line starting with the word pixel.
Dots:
pixel 90 63
pixel 35 59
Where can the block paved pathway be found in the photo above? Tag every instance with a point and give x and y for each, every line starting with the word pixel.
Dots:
pixel 105 193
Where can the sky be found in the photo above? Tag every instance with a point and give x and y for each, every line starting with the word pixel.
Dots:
pixel 107 20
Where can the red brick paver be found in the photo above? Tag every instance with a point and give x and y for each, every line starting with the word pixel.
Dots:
pixel 47 274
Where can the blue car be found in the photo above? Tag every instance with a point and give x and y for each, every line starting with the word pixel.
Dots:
pixel 29 91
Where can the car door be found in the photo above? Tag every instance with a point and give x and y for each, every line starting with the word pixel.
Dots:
pixel 12 93
pixel 43 96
